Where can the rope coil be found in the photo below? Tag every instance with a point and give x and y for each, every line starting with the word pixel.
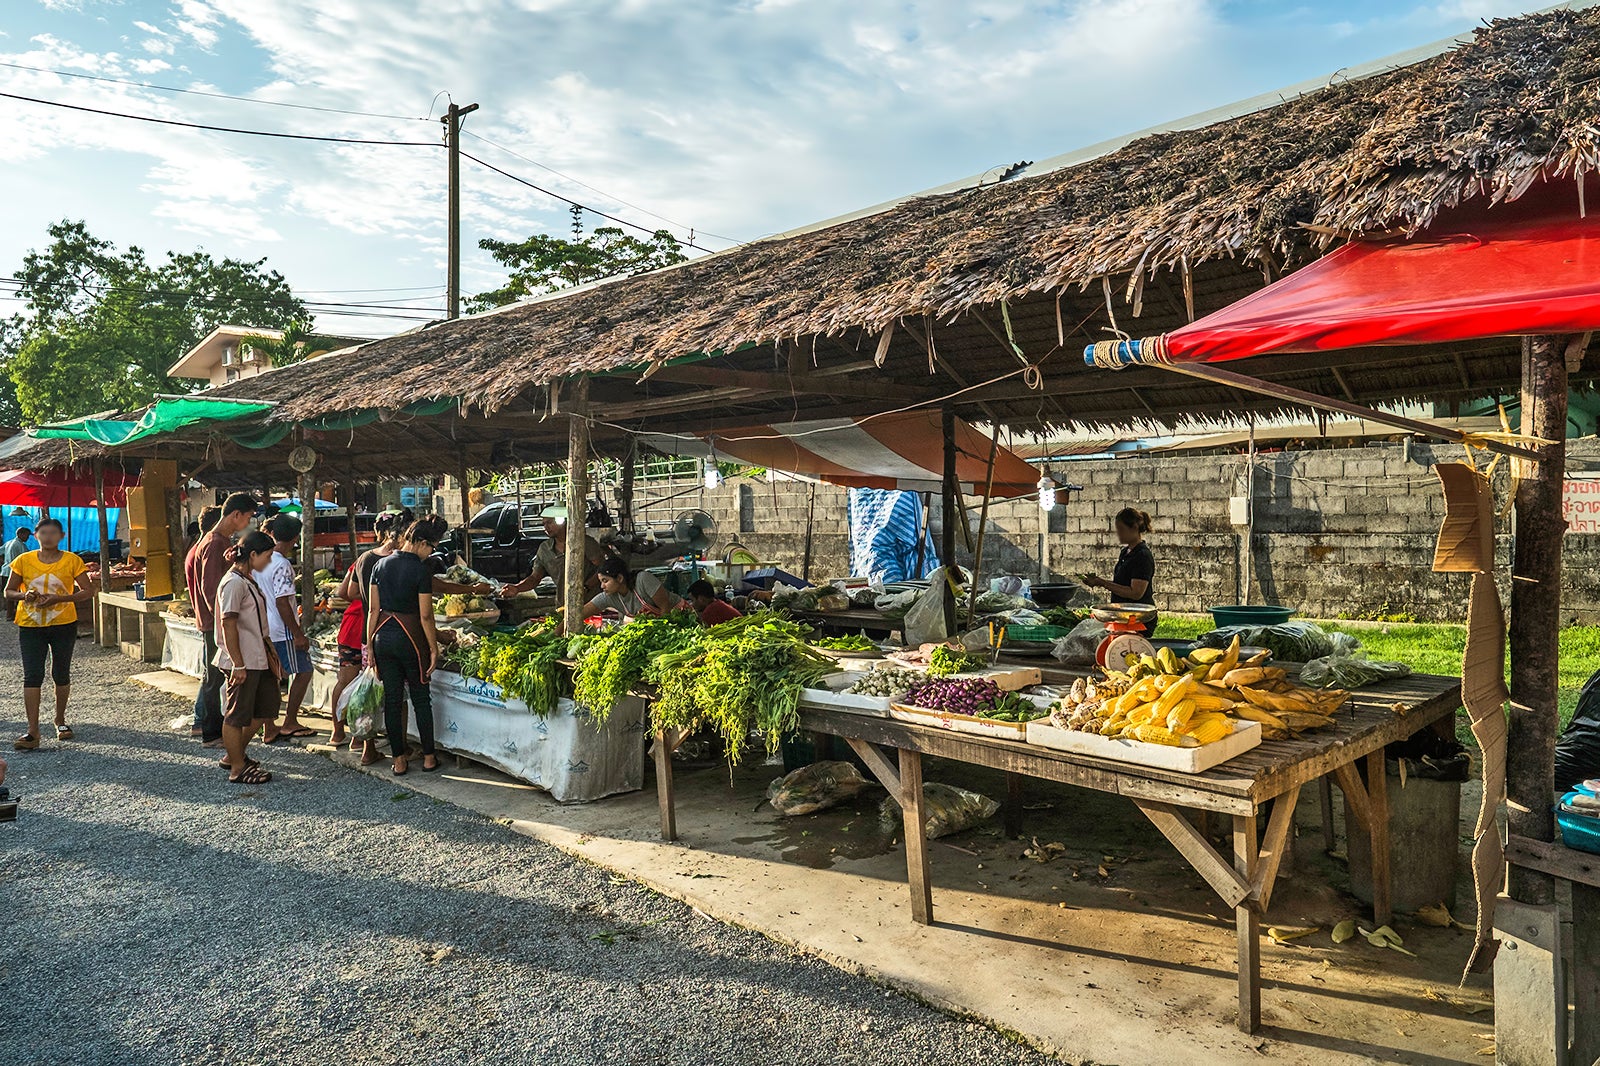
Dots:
pixel 1120 354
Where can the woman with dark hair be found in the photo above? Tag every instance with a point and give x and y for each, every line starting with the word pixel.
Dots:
pixel 353 626
pixel 1133 581
pixel 402 641
pixel 641 595
pixel 245 656
pixel 47 585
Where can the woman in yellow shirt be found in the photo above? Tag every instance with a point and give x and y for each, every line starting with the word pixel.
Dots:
pixel 47 585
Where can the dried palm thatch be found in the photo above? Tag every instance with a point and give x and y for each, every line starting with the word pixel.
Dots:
pixel 1244 200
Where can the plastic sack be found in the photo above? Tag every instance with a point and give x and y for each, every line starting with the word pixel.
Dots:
pixel 924 621
pixel 894 605
pixel 1078 647
pixel 1289 642
pixel 815 788
pixel 1349 669
pixel 361 705
pixel 946 809
pixel 1578 750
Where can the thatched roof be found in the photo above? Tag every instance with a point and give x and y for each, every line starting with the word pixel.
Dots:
pixel 1218 210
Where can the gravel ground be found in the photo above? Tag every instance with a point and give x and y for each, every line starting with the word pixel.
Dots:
pixel 154 913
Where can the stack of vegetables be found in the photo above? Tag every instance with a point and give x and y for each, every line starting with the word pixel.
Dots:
pixel 857 642
pixel 741 676
pixel 611 665
pixel 1162 699
pixel 976 697
pixel 524 664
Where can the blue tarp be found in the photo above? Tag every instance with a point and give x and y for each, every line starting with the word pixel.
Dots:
pixel 884 524
pixel 84 527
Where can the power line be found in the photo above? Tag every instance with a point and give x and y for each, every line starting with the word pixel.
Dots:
pixel 219 129
pixel 591 188
pixel 568 200
pixel 212 95
pixel 331 307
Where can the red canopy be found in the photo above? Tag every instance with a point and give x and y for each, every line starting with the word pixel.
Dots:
pixel 23 488
pixel 1529 267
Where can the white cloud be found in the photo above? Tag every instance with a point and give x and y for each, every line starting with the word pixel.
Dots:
pixel 156 31
pixel 149 66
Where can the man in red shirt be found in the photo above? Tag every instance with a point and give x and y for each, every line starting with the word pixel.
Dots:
pixel 203 569
pixel 710 609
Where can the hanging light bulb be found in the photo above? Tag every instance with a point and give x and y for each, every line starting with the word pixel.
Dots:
pixel 1047 492
pixel 713 475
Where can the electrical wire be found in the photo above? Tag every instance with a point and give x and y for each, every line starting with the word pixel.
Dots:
pixel 568 200
pixel 601 192
pixel 212 95
pixel 221 129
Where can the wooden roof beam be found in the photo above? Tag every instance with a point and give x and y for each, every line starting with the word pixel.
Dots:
pixel 808 384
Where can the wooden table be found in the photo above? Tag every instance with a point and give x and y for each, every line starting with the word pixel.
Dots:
pixel 134 625
pixel 1240 788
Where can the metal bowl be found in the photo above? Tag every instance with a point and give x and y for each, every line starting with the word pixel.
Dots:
pixel 1053 595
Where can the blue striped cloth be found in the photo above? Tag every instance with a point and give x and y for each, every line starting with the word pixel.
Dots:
pixel 884 524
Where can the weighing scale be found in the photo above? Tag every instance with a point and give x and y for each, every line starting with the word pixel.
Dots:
pixel 1125 628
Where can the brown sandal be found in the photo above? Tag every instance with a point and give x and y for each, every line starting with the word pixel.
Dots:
pixel 63 732
pixel 250 775
pixel 26 742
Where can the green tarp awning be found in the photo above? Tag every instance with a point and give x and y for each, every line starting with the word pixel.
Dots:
pixel 165 416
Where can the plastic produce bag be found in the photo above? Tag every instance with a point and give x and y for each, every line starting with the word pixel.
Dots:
pixel 924 621
pixel 1349 669
pixel 1578 750
pixel 1290 642
pixel 815 788
pixel 894 605
pixel 1078 647
pixel 946 809
pixel 361 705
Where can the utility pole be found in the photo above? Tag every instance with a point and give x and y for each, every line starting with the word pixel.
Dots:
pixel 452 139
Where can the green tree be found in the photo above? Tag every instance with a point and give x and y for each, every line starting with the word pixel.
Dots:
pixel 102 325
pixel 545 264
pixel 298 343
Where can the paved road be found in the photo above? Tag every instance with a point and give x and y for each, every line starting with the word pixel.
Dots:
pixel 154 913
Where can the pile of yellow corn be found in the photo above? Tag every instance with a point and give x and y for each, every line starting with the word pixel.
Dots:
pixel 1164 699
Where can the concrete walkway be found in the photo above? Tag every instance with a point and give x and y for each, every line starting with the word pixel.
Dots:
pixel 1114 952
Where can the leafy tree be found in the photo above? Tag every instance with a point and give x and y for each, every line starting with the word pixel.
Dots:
pixel 298 343
pixel 544 264
pixel 103 325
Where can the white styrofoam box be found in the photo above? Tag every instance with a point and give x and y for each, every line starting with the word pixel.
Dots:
pixel 832 696
pixel 1245 735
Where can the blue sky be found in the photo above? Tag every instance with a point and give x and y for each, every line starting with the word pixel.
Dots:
pixel 734 119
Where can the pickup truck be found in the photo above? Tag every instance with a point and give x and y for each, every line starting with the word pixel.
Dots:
pixel 503 543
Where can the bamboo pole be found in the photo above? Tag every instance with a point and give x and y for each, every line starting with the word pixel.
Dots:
pixel 983 526
pixel 466 507
pixel 947 531
pixel 308 547
pixel 625 523
pixel 811 525
pixel 349 495
pixel 1536 613
pixel 577 493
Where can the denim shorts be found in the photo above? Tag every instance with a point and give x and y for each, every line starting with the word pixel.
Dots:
pixel 293 659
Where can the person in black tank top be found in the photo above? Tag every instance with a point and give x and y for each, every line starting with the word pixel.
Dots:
pixel 401 638
pixel 1133 580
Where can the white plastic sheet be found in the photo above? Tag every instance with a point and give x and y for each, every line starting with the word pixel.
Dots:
pixel 184 650
pixel 564 753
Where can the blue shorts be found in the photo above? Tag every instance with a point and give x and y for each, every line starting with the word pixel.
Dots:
pixel 293 659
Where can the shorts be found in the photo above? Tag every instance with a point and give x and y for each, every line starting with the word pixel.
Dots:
pixel 349 656
pixel 293 659
pixel 252 700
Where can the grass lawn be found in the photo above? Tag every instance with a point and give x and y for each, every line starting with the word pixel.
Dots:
pixel 1436 649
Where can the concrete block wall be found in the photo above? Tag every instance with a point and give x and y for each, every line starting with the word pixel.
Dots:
pixel 1345 532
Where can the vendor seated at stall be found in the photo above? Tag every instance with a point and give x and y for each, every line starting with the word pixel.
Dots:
pixel 551 559
pixel 703 598
pixel 643 596
pixel 1133 581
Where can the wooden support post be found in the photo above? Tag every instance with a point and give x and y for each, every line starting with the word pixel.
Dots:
pixel 466 506
pixel 1378 833
pixel 1275 848
pixel 577 494
pixel 1247 920
pixel 1585 973
pixel 947 532
pixel 983 528
pixel 1011 811
pixel 662 750
pixel 105 540
pixel 625 493
pixel 349 495
pixel 811 526
pixel 308 547
pixel 916 831
pixel 1536 612
pixel 1325 794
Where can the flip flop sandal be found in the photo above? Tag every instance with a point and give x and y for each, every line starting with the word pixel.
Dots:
pixel 275 739
pixel 252 775
pixel 405 769
pixel 430 769
pixel 63 732
pixel 26 742
pixel 300 732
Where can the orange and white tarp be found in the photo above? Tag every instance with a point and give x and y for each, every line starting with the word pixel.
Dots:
pixel 900 451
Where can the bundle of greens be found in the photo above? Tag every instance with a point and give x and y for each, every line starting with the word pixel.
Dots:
pixel 945 660
pixel 741 676
pixel 858 642
pixel 609 668
pixel 523 664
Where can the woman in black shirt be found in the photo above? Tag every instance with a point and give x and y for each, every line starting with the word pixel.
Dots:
pixel 1133 581
pixel 401 639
